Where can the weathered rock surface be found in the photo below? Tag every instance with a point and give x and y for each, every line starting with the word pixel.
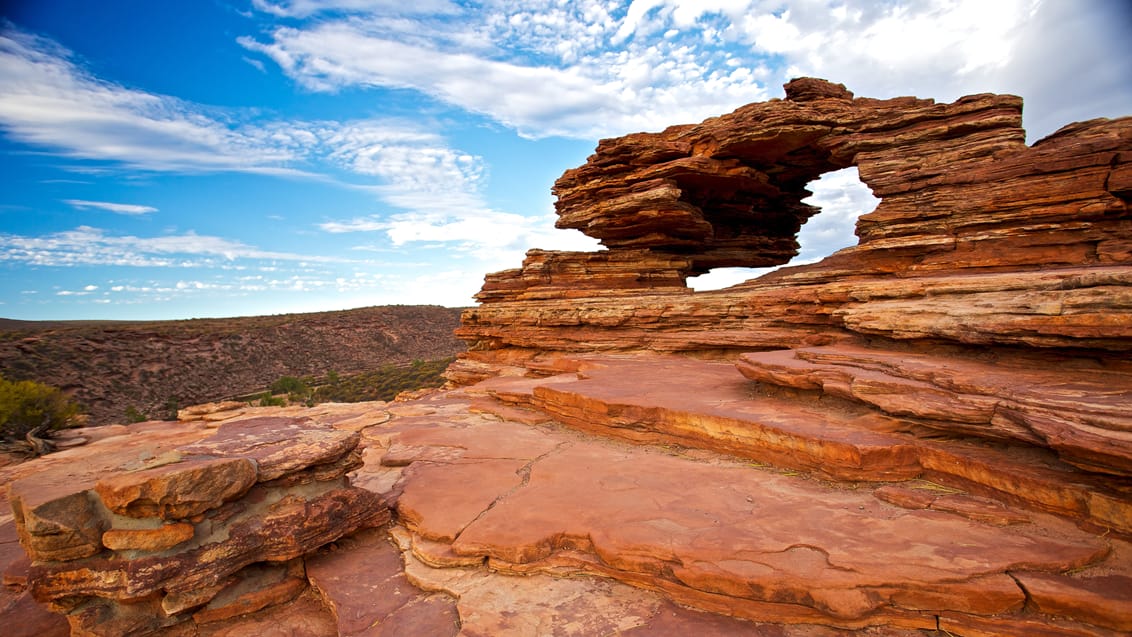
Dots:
pixel 740 537
pixel 1081 407
pixel 924 434
pixel 172 530
pixel 606 532
pixel 982 249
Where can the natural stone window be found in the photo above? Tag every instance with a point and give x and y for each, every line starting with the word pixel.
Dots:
pixel 842 197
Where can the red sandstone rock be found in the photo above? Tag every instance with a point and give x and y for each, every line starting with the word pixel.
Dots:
pixel 362 582
pixel 1104 600
pixel 278 445
pixel 253 589
pixel 174 536
pixel 24 618
pixel 182 489
pixel 1079 408
pixel 209 411
pixel 303 617
pixel 690 527
pixel 164 537
pixel 491 603
pixel 700 404
pixel 752 540
pixel 978 240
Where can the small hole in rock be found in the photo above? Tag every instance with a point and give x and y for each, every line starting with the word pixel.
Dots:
pixel 842 198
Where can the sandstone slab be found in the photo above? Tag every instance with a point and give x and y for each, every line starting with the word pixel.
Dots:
pixel 711 532
pixel 758 537
pixel 1078 407
pixel 362 581
pixel 190 486
pixel 702 404
pixel 178 535
pixel 277 445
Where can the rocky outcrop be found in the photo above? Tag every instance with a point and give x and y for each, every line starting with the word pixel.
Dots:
pixel 177 527
pixel 989 240
pixel 982 249
pixel 588 502
pixel 971 351
pixel 1079 409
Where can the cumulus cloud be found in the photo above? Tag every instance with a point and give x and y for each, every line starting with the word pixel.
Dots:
pixel 591 69
pixel 117 208
pixel 54 103
pixel 541 68
pixel 438 190
pixel 842 197
pixel 416 169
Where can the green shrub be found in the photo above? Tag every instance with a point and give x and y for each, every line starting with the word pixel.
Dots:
pixel 267 400
pixel 172 406
pixel 289 385
pixel 26 405
pixel 385 383
pixel 133 415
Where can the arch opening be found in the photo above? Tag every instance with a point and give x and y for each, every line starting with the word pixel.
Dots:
pixel 841 197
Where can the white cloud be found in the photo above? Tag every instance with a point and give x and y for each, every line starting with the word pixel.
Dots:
pixel 256 64
pixel 590 69
pixel 417 169
pixel 439 192
pixel 49 101
pixel 91 246
pixel 54 103
pixel 583 71
pixel 842 198
pixel 581 88
pixel 303 8
pixel 117 208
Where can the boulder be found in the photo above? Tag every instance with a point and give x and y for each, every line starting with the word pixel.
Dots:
pixel 168 533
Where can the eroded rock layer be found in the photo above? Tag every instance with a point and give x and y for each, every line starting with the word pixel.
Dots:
pixel 179 526
pixel 982 249
pixel 586 503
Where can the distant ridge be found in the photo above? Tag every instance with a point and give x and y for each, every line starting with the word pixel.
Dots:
pixel 154 367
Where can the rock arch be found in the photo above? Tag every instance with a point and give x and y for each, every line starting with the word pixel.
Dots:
pixel 961 195
pixel 728 192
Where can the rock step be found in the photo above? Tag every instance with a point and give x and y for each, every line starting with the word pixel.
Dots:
pixel 173 529
pixel 716 533
pixel 1080 408
pixel 674 400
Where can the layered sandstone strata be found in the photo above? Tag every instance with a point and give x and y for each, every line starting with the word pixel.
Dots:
pixel 983 251
pixel 178 526
pixel 990 240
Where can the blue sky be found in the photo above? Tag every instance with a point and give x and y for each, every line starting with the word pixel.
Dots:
pixel 234 157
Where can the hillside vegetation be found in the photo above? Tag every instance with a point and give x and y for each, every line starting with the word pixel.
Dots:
pixel 119 371
pixel 379 384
